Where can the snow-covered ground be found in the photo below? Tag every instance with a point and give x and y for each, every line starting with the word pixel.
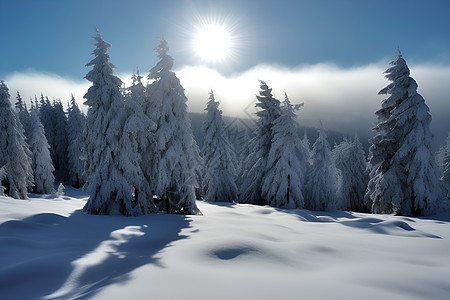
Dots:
pixel 49 249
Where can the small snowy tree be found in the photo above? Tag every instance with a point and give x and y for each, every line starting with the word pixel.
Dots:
pixel 404 178
pixel 15 155
pixel 446 169
pixel 322 179
pixel 219 158
pixel 172 162
pixel 41 160
pixel 306 147
pixel 284 182
pixel 2 177
pixel 60 141
pixel 46 117
pixel 110 164
pixel 76 124
pixel 350 160
pixel 24 116
pixel 255 165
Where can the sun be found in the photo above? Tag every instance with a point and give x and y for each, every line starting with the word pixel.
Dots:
pixel 212 42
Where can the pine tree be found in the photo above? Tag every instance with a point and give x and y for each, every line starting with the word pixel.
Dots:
pixel 219 158
pixel 46 117
pixel 306 148
pixel 446 163
pixel 76 124
pixel 138 133
pixel 284 182
pixel 404 178
pixel 350 160
pixel 322 179
pixel 24 116
pixel 44 180
pixel 2 177
pixel 255 165
pixel 109 157
pixel 60 145
pixel 15 155
pixel 172 163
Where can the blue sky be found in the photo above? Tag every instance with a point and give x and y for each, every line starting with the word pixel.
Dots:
pixel 56 36
pixel 331 55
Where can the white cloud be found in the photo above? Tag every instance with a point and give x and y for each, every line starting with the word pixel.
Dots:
pixel 342 98
pixel 33 83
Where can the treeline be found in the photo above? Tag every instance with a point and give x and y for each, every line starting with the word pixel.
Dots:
pixel 134 152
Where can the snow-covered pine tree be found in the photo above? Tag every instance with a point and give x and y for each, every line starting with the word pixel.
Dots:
pixel 76 124
pixel 446 169
pixel 138 134
pixel 219 158
pixel 110 167
pixel 172 162
pixel 284 181
pixel 255 165
pixel 404 178
pixel 2 177
pixel 15 155
pixel 60 145
pixel 22 112
pixel 350 159
pixel 322 179
pixel 44 180
pixel 306 147
pixel 46 117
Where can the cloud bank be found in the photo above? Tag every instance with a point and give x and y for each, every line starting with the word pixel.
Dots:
pixel 344 99
pixel 33 83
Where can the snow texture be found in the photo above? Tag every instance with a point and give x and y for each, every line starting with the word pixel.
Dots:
pixel 404 177
pixel 51 250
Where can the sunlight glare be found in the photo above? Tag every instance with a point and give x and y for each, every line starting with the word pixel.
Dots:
pixel 212 42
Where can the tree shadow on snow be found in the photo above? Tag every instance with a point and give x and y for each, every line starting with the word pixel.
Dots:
pixel 49 256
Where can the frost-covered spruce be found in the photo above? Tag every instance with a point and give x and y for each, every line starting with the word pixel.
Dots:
pixel 15 155
pixel 322 179
pixel 138 134
pixel 60 141
pixel 255 165
pixel 404 178
pixel 174 157
pixel 219 157
pixel 306 147
pixel 44 180
pixel 110 167
pixel 2 177
pixel 350 160
pixel 46 117
pixel 446 166
pixel 284 181
pixel 22 112
pixel 76 124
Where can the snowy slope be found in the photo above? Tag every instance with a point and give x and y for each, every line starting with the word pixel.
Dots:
pixel 50 250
